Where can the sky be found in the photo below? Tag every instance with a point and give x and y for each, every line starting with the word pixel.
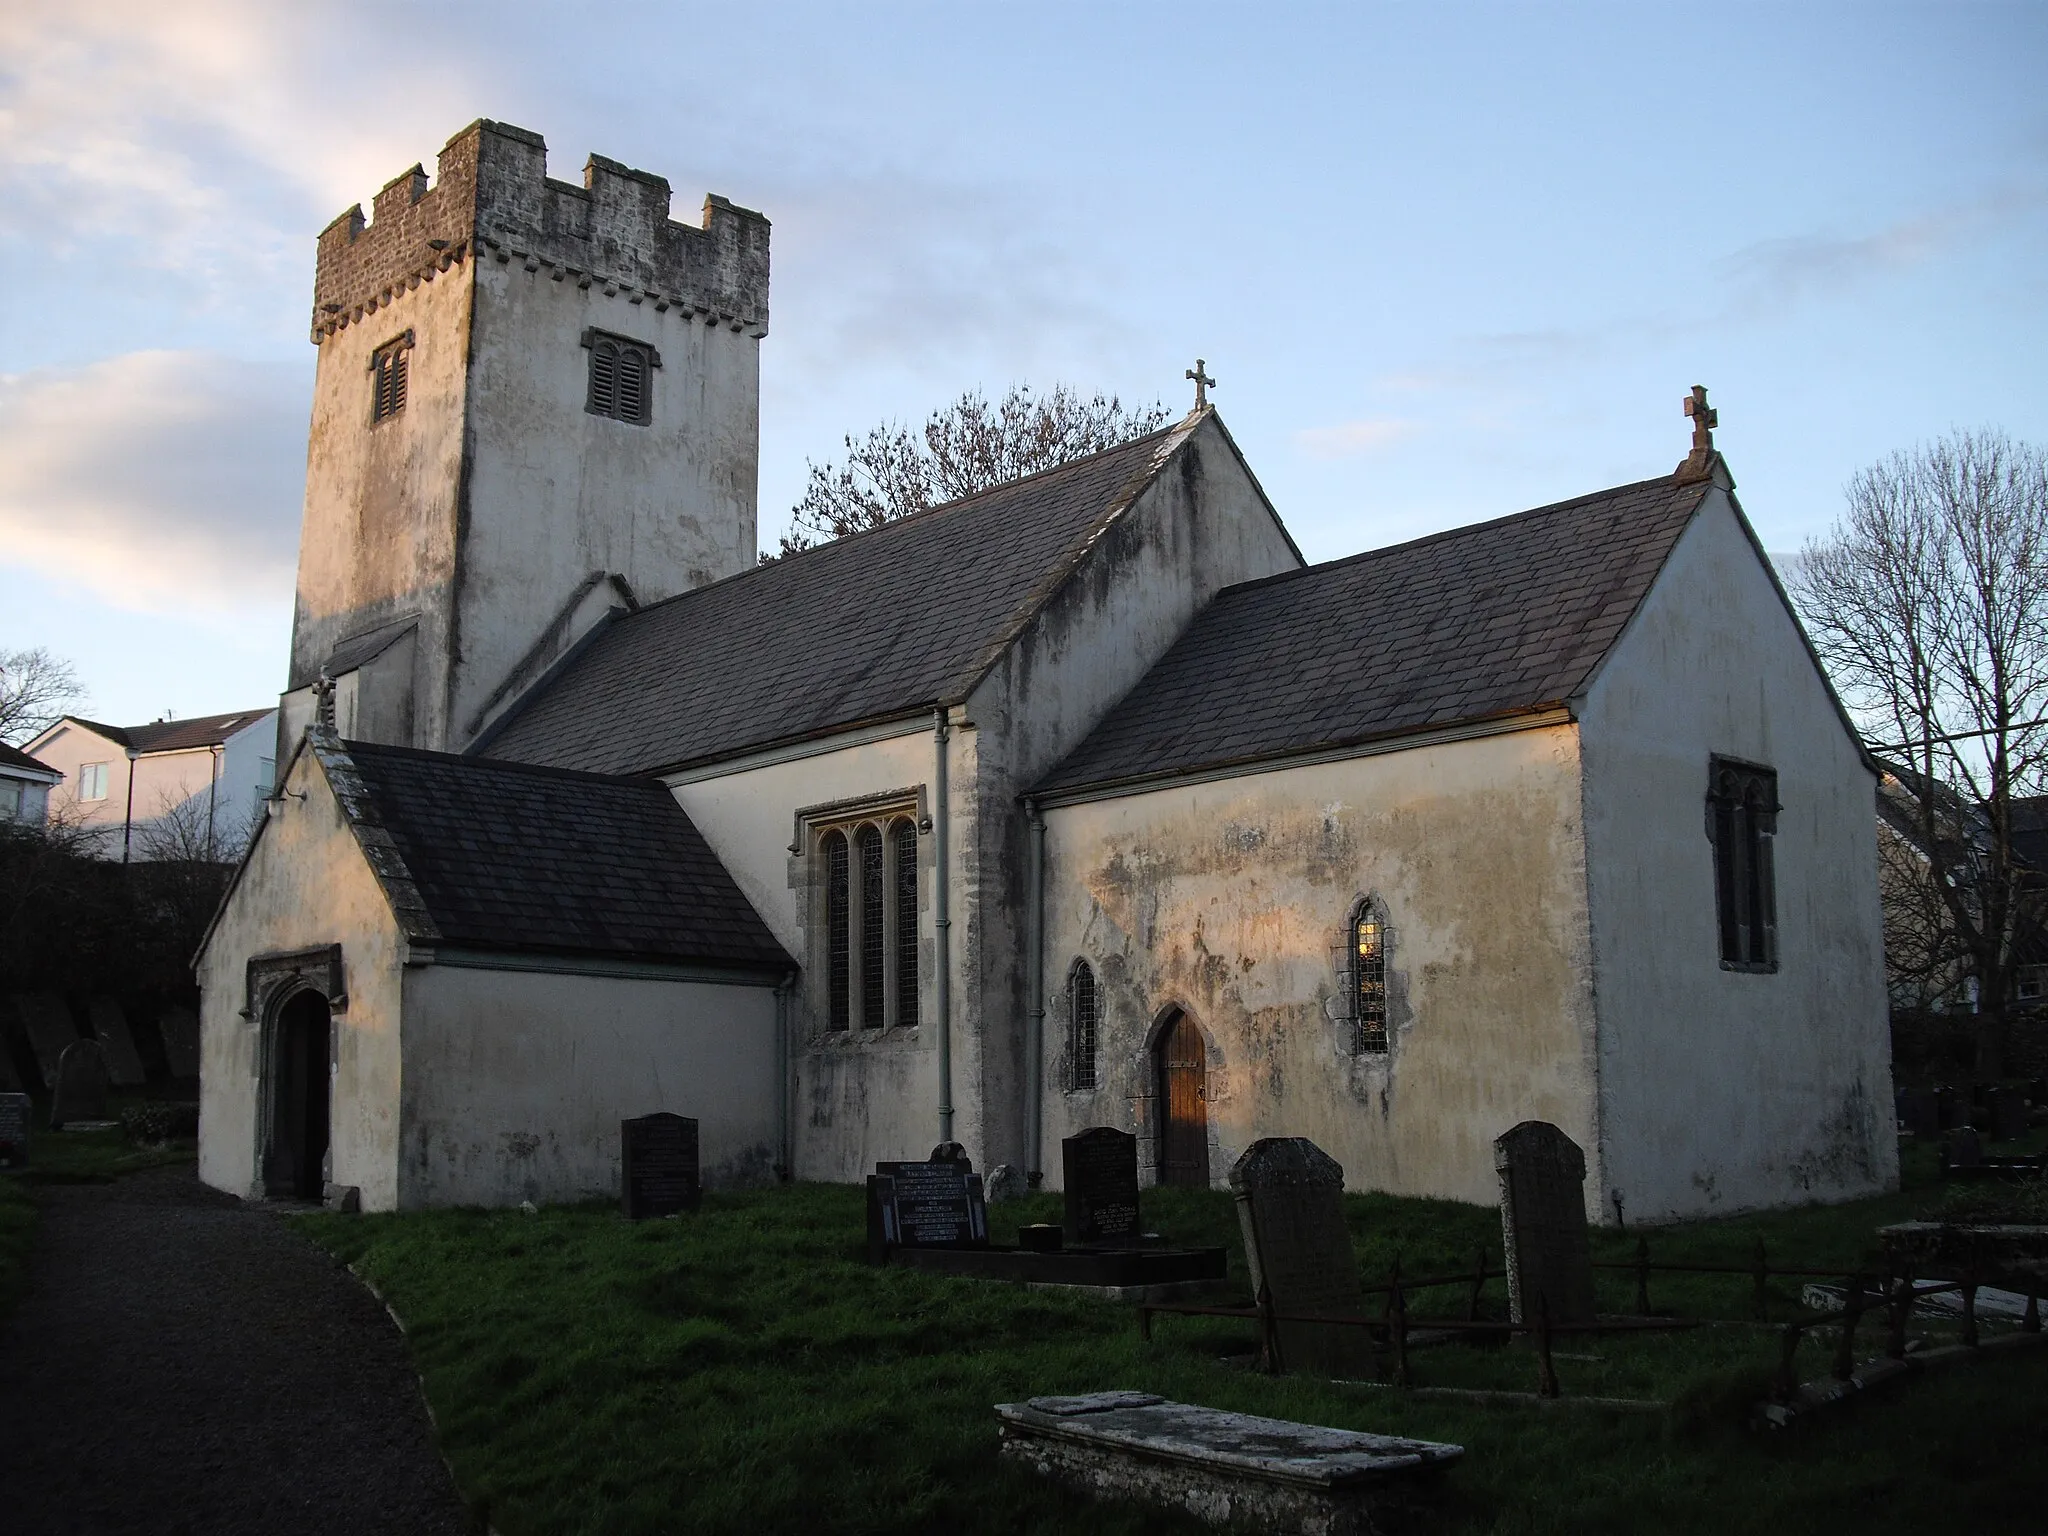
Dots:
pixel 1445 261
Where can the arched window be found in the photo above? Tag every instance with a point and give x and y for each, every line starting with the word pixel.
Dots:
pixel 838 933
pixel 1368 955
pixel 1084 1019
pixel 903 838
pixel 1742 821
pixel 874 992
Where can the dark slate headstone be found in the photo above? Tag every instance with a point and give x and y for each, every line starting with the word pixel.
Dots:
pixel 1291 1209
pixel 124 1063
pixel 1099 1169
pixel 658 1165
pixel 933 1204
pixel 14 1108
pixel 1965 1148
pixel 179 1028
pixel 1543 1223
pixel 1919 1112
pixel 81 1085
pixel 2008 1115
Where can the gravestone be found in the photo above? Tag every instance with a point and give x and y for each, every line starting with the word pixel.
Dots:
pixel 49 1026
pixel 1919 1112
pixel 658 1166
pixel 1965 1148
pixel 934 1204
pixel 1099 1169
pixel 179 1028
pixel 1543 1223
pixel 81 1093
pixel 2008 1115
pixel 110 1024
pixel 1290 1207
pixel 14 1108
pixel 1954 1107
pixel 1005 1183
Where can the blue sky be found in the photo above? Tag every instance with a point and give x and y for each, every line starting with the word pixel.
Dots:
pixel 1445 261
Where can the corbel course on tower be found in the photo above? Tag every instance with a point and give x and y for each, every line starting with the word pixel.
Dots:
pixel 492 195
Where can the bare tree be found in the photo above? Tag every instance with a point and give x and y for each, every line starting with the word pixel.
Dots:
pixel 1928 602
pixel 965 447
pixel 36 690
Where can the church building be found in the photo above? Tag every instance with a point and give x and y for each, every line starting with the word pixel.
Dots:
pixel 1082 801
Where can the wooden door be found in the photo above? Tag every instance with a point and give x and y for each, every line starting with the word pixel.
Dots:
pixel 1183 1102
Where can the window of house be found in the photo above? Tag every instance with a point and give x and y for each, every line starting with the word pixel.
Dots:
pixel 1083 1026
pixel 1742 823
pixel 10 800
pixel 92 781
pixel 621 377
pixel 388 369
pixel 869 874
pixel 1367 982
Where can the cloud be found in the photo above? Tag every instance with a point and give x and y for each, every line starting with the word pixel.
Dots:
pixel 168 482
pixel 1353 438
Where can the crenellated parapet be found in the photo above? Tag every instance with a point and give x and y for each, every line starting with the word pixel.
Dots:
pixel 493 199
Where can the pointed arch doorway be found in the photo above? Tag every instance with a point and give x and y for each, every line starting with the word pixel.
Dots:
pixel 302 1046
pixel 1180 1063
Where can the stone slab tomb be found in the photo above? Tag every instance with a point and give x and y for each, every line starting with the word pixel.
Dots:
pixel 124 1062
pixel 1290 1208
pixel 1543 1223
pixel 14 1112
pixel 1227 1468
pixel 658 1172
pixel 81 1094
pixel 1099 1173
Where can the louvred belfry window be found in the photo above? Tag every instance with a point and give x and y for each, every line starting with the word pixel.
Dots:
pixel 621 377
pixel 388 368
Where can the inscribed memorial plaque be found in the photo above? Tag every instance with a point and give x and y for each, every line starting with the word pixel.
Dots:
pixel 1099 1169
pixel 14 1108
pixel 658 1165
pixel 1543 1223
pixel 927 1205
pixel 1290 1206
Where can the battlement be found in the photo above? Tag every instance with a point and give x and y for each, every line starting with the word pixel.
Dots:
pixel 492 194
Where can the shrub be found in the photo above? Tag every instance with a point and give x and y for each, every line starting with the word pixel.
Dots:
pixel 159 1122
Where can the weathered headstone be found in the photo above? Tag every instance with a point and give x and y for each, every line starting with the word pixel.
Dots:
pixel 1919 1112
pixel 658 1173
pixel 14 1108
pixel 49 1026
pixel 2008 1114
pixel 1099 1169
pixel 1543 1223
pixel 81 1092
pixel 1005 1182
pixel 933 1204
pixel 110 1024
pixel 179 1028
pixel 1954 1107
pixel 1290 1207
pixel 1965 1148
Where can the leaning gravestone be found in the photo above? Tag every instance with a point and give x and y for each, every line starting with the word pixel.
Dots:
pixel 124 1064
pixel 14 1108
pixel 81 1085
pixel 934 1204
pixel 1543 1223
pixel 658 1173
pixel 179 1028
pixel 1099 1170
pixel 1291 1209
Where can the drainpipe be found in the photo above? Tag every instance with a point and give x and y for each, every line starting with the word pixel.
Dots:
pixel 785 1081
pixel 212 798
pixel 1034 994
pixel 942 924
pixel 128 818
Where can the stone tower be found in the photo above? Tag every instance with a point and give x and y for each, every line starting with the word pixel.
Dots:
pixel 535 403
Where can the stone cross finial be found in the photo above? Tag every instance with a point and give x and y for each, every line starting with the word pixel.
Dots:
pixel 323 692
pixel 1203 383
pixel 1704 419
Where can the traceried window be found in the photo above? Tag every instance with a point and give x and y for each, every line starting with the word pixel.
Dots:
pixel 1742 824
pixel 838 933
pixel 388 370
pixel 1368 979
pixel 903 842
pixel 621 377
pixel 869 873
pixel 1084 1019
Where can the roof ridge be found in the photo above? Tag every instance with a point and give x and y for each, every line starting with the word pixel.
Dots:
pixel 507 764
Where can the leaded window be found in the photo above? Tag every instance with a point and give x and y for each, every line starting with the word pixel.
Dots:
pixel 1368 954
pixel 903 835
pixel 838 933
pixel 621 378
pixel 1742 824
pixel 1083 1026
pixel 874 991
pixel 867 868
pixel 388 370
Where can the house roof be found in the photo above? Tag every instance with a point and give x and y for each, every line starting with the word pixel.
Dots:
pixel 868 627
pixel 1494 619
pixel 505 856
pixel 20 761
pixel 175 735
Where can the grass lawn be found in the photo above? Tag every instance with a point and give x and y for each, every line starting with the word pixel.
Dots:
pixel 743 1370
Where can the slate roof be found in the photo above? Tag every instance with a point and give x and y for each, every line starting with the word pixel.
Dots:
pixel 1496 618
pixel 867 627
pixel 14 757
pixel 504 856
pixel 175 735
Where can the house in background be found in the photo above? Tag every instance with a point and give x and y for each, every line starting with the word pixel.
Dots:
pixel 172 788
pixel 25 785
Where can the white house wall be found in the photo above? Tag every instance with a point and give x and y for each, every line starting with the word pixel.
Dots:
pixel 1230 899
pixel 1720 1089
pixel 517 1080
pixel 183 781
pixel 306 885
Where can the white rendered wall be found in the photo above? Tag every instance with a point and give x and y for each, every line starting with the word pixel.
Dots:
pixel 1230 899
pixel 305 885
pixel 516 1080
pixel 1724 1090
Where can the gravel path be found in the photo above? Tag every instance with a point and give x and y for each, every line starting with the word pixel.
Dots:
pixel 185 1363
